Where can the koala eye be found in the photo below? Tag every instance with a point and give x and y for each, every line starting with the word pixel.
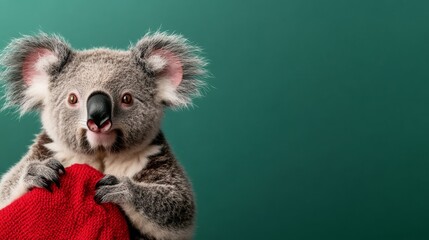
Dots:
pixel 127 99
pixel 72 99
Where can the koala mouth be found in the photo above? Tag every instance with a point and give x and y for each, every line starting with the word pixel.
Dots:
pixel 108 142
pixel 100 139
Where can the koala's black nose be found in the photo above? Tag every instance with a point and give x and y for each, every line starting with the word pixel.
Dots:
pixel 99 107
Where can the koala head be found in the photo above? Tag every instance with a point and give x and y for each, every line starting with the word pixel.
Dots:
pixel 101 99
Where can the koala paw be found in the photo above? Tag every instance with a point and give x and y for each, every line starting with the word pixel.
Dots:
pixel 42 174
pixel 111 189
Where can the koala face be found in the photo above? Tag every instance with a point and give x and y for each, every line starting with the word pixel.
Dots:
pixel 131 107
pixel 101 100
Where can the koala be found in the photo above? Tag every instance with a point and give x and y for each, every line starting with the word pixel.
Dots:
pixel 104 107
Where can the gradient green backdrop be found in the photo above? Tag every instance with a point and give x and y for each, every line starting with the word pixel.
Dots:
pixel 316 123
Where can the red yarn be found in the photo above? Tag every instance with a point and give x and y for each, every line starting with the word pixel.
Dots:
pixel 70 212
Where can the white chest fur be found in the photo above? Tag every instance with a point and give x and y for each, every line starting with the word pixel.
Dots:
pixel 121 165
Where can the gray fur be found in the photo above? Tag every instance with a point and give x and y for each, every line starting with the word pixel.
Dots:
pixel 158 198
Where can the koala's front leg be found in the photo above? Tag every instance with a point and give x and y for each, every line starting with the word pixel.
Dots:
pixel 28 174
pixel 10 187
pixel 160 211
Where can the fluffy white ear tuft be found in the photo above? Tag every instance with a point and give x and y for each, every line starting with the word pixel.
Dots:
pixel 29 64
pixel 35 65
pixel 170 74
pixel 36 77
pixel 156 63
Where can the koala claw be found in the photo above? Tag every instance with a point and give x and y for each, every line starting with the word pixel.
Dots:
pixel 42 174
pixel 107 180
pixel 56 165
pixel 111 189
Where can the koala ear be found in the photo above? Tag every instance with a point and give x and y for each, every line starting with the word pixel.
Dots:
pixel 173 64
pixel 30 63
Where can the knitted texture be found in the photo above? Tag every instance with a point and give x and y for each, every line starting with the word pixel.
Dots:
pixel 70 212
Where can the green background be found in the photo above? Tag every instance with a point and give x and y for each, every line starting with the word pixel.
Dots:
pixel 316 123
